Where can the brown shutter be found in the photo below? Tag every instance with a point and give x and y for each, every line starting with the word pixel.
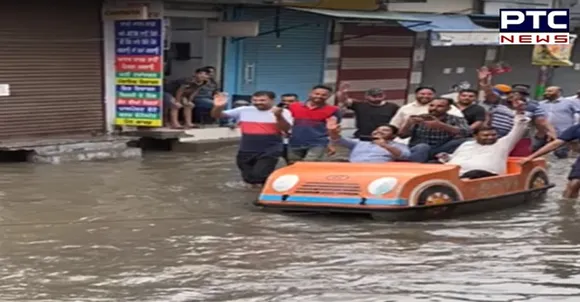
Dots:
pixel 376 57
pixel 50 54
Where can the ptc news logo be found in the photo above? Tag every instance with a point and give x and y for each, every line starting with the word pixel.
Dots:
pixel 534 26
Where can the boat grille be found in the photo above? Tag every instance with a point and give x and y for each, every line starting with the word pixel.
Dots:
pixel 327 188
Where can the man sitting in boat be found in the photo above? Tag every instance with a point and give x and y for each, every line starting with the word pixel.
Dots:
pixel 436 132
pixel 487 155
pixel 380 149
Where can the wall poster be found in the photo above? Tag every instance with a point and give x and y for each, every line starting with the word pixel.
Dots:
pixel 139 72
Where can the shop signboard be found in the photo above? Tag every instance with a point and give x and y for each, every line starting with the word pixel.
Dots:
pixel 552 55
pixel 139 72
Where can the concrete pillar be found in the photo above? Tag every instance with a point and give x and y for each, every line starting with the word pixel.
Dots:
pixel 416 76
pixel 332 58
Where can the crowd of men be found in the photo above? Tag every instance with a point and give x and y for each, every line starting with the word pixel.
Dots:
pixel 476 134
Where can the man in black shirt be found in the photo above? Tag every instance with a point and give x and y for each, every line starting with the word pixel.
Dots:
pixel 285 101
pixel 473 113
pixel 371 113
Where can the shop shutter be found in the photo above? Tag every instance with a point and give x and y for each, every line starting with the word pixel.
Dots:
pixel 50 55
pixel 290 63
pixel 376 57
pixel 519 57
pixel 461 63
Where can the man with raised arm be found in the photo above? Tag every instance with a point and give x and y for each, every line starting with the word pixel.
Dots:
pixel 487 155
pixel 261 125
pixel 379 149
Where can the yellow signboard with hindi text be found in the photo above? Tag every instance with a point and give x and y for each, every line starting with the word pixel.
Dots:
pixel 552 55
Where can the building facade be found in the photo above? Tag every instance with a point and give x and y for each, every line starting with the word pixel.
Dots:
pixel 287 55
pixel 63 70
pixel 51 71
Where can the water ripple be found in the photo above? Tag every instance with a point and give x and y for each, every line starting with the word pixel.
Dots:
pixel 180 228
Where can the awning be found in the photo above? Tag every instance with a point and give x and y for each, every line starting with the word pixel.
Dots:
pixel 363 15
pixel 453 30
pixel 446 30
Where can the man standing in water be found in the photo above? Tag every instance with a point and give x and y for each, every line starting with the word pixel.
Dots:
pixel 285 101
pixel 568 136
pixel 309 140
pixel 262 126
pixel 371 113
pixel 562 113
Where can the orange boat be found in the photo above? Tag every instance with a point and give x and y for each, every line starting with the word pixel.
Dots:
pixel 400 190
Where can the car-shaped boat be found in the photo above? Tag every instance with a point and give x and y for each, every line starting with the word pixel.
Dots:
pixel 400 190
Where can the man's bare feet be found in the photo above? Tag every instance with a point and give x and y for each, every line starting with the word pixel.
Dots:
pixel 191 126
pixel 175 126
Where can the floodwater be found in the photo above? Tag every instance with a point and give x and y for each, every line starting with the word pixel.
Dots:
pixel 177 227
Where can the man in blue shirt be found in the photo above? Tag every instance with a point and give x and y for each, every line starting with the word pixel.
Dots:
pixel 569 135
pixel 380 149
pixel 561 114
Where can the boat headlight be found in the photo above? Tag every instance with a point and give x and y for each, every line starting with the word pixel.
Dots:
pixel 382 185
pixel 285 183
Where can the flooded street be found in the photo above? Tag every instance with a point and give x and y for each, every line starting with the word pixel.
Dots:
pixel 177 227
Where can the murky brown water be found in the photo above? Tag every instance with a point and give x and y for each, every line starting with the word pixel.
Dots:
pixel 178 228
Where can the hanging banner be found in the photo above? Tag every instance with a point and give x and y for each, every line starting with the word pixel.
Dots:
pixel 139 72
pixel 552 55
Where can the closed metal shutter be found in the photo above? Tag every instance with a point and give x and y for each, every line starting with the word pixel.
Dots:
pixel 519 57
pixel 50 55
pixel 446 66
pixel 376 57
pixel 292 62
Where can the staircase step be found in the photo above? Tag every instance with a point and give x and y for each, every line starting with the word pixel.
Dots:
pixel 81 147
pixel 91 155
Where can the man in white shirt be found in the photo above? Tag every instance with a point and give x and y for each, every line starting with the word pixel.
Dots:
pixel 423 96
pixel 487 155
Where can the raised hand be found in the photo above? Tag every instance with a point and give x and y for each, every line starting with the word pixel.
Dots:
pixel 333 127
pixel 332 123
pixel 277 111
pixel 220 99
pixel 344 87
pixel 483 73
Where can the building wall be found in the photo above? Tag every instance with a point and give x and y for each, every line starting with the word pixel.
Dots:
pixel 291 61
pixel 205 50
pixel 445 66
pixel 519 57
pixel 426 6
pixel 332 59
pixel 155 10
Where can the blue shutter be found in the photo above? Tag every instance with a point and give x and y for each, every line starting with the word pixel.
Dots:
pixel 291 63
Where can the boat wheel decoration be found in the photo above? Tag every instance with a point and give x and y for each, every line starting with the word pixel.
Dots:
pixel 438 198
pixel 538 182
pixel 538 178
